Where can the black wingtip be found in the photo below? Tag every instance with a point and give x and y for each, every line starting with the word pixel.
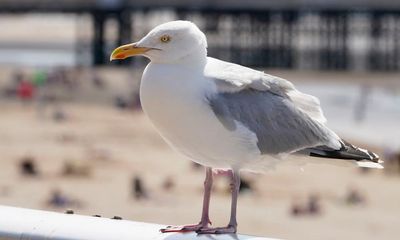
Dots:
pixel 347 151
pixel 374 157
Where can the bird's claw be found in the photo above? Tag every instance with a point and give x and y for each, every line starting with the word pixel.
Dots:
pixel 184 228
pixel 220 230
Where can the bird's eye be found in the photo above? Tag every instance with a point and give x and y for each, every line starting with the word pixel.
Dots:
pixel 165 38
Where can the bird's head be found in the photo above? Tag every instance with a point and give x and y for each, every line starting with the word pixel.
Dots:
pixel 167 43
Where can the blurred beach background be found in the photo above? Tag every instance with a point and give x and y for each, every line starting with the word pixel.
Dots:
pixel 73 135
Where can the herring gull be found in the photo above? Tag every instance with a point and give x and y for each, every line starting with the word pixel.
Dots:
pixel 227 116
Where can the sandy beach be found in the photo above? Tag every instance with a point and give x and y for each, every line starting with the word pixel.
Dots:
pixel 118 145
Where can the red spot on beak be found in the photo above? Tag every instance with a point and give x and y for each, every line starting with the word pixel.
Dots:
pixel 120 55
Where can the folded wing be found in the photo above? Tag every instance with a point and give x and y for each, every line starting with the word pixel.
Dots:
pixel 284 119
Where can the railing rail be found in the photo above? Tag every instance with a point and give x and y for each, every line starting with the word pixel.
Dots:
pixel 27 224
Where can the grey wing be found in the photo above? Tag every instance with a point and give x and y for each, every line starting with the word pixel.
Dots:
pixel 279 125
pixel 231 78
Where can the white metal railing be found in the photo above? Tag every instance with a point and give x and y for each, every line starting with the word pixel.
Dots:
pixel 28 224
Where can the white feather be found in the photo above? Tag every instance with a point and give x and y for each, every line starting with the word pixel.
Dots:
pixel 308 104
pixel 369 164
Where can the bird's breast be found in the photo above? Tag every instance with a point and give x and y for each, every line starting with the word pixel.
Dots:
pixel 175 102
pixel 171 96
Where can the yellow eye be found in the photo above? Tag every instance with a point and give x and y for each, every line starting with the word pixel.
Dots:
pixel 165 38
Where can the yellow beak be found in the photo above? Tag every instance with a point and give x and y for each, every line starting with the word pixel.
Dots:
pixel 127 50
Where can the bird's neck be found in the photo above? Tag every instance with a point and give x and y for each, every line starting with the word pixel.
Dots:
pixel 196 58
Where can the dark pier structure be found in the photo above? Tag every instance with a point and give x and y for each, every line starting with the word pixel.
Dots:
pixel 296 34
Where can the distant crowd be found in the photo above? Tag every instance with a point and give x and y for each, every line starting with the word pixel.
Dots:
pixel 33 85
pixel 58 85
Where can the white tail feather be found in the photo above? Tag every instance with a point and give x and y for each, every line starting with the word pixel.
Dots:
pixel 369 164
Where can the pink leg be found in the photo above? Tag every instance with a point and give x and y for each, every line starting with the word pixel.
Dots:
pixel 223 172
pixel 205 220
pixel 232 225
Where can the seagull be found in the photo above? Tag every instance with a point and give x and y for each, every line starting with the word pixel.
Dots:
pixel 226 116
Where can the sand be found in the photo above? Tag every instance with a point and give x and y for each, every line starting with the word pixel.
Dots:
pixel 118 145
